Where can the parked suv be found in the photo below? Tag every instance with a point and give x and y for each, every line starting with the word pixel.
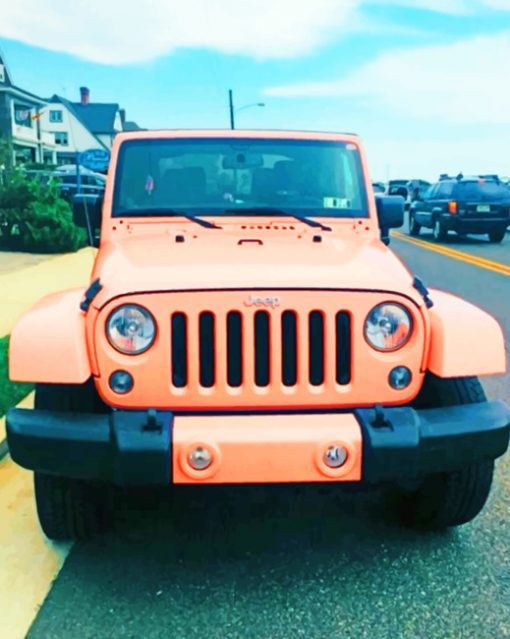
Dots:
pixel 90 183
pixel 465 205
pixel 246 322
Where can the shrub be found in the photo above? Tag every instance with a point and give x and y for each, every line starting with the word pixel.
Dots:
pixel 33 217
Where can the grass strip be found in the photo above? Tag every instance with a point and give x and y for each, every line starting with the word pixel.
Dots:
pixel 10 392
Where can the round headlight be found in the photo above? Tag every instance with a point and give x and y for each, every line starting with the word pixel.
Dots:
pixel 388 327
pixel 131 329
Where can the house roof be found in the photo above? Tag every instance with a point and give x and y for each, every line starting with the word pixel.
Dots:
pixel 8 77
pixel 28 95
pixel 131 126
pixel 98 117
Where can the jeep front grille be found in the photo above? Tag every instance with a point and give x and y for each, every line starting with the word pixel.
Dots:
pixel 275 357
pixel 225 350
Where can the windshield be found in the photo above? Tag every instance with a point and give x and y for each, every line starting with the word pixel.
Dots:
pixel 225 176
pixel 484 191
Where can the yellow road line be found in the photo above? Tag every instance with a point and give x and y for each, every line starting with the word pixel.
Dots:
pixel 474 260
pixel 28 561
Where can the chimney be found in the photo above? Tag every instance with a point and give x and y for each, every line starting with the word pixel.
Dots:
pixel 84 95
pixel 122 116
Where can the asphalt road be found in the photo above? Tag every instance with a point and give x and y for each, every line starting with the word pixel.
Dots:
pixel 270 563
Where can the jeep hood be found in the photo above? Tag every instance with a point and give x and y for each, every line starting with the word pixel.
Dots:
pixel 221 260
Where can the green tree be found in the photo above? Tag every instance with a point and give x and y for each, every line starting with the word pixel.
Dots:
pixel 33 217
pixel 6 155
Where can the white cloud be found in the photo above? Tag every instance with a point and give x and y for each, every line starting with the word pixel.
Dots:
pixel 499 5
pixel 462 82
pixel 118 32
pixel 125 31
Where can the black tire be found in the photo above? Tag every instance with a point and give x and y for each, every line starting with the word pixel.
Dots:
pixel 414 226
pixel 455 498
pixel 439 232
pixel 496 236
pixel 70 508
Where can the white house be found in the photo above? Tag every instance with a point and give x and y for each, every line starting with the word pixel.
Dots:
pixel 69 132
pixel 20 121
pixel 80 126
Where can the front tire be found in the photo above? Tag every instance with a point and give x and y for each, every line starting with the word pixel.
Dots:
pixel 414 226
pixel 449 499
pixel 69 508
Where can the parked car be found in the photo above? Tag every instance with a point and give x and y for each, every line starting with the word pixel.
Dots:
pixel 417 188
pixel 90 183
pixel 408 189
pixel 270 336
pixel 479 204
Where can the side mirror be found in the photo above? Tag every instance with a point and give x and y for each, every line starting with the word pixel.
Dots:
pixel 87 213
pixel 390 212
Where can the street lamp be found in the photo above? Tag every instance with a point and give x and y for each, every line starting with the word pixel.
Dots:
pixel 233 111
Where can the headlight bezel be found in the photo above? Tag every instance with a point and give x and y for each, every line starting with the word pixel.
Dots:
pixel 148 315
pixel 408 336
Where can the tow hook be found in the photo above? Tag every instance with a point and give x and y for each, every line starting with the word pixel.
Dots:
pixel 380 420
pixel 152 424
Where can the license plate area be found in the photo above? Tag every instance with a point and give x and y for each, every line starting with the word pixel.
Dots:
pixel 266 448
pixel 483 208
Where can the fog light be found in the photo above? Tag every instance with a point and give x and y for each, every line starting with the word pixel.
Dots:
pixel 400 378
pixel 335 456
pixel 200 458
pixel 121 382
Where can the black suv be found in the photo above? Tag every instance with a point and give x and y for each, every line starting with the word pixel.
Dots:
pixel 465 205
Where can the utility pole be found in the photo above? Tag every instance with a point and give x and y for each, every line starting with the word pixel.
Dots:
pixel 231 107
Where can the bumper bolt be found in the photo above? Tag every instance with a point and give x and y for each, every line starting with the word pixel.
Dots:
pixel 200 458
pixel 335 456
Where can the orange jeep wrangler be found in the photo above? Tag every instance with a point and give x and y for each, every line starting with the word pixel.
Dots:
pixel 247 323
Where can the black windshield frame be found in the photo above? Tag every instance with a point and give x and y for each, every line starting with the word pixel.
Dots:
pixel 223 211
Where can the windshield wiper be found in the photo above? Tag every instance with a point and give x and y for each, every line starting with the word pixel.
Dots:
pixel 194 218
pixel 268 210
pixel 170 213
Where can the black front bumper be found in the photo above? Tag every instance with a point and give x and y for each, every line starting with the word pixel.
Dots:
pixel 135 447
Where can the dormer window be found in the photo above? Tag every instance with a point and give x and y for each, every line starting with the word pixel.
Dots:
pixel 2 73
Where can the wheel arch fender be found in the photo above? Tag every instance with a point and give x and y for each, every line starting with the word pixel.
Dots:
pixel 465 340
pixel 48 343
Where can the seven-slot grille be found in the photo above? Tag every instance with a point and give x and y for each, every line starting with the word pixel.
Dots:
pixel 261 348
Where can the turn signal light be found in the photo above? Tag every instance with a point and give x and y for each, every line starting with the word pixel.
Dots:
pixel 453 208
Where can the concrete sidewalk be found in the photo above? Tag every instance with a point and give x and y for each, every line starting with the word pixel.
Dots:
pixel 19 290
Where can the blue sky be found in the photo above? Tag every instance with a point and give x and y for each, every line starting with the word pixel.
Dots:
pixel 424 82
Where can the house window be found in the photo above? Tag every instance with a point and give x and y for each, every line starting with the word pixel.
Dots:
pixel 55 116
pixel 2 73
pixel 23 115
pixel 61 138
